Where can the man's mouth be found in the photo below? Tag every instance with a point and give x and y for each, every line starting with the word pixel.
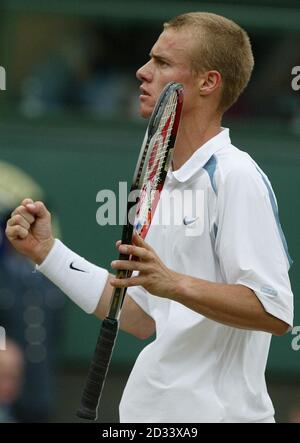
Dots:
pixel 144 91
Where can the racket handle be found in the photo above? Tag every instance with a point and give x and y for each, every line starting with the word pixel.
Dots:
pixel 98 369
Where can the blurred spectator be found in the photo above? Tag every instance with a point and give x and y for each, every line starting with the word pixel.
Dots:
pixel 11 379
pixel 294 416
pixel 30 307
pixel 76 74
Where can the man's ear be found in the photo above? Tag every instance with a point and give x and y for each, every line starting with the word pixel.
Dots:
pixel 209 82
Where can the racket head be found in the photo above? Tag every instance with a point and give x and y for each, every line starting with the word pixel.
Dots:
pixel 156 155
pixel 152 127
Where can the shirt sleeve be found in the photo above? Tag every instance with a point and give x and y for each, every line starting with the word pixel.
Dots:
pixel 250 244
pixel 140 296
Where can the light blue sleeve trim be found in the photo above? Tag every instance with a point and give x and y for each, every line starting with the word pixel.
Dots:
pixel 210 168
pixel 276 215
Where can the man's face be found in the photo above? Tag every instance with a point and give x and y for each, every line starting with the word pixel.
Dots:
pixel 170 60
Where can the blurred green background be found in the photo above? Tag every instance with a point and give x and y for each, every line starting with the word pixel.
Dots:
pixel 69 119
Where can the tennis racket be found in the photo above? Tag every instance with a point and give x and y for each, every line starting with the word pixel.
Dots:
pixel 148 180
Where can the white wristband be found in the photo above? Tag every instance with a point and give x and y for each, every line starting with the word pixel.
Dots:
pixel 79 279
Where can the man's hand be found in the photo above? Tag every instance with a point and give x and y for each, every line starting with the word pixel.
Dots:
pixel 29 230
pixel 153 275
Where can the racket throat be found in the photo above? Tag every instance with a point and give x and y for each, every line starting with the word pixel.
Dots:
pixel 116 303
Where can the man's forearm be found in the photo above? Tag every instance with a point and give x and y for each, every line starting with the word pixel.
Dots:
pixel 233 305
pixel 133 319
pixel 104 300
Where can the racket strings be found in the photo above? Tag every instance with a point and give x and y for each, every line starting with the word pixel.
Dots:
pixel 158 154
pixel 159 143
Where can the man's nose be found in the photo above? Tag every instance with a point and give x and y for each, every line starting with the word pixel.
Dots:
pixel 144 73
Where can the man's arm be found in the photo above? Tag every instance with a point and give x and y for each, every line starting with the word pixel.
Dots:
pixel 29 231
pixel 133 319
pixel 233 305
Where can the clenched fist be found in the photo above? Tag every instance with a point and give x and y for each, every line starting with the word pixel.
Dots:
pixel 29 230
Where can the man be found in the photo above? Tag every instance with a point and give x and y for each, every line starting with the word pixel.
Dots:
pixel 213 300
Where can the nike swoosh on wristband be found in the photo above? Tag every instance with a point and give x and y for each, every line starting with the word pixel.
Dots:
pixel 76 269
pixel 188 221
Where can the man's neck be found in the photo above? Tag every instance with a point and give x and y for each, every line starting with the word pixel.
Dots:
pixel 192 134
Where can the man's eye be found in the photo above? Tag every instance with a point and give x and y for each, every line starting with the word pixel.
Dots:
pixel 163 63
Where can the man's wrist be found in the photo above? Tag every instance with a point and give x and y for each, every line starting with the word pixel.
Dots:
pixel 79 279
pixel 177 286
pixel 43 251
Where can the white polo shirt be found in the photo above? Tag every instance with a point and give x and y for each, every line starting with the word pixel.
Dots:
pixel 198 370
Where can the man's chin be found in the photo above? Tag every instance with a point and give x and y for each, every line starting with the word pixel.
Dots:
pixel 145 113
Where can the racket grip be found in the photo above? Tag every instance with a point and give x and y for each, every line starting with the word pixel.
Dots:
pixel 98 369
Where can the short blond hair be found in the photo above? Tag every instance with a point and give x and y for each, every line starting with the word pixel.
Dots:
pixel 221 45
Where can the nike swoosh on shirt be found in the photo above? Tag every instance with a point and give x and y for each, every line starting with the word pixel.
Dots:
pixel 189 221
pixel 76 269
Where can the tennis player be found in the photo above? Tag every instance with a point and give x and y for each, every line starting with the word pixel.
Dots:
pixel 213 299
